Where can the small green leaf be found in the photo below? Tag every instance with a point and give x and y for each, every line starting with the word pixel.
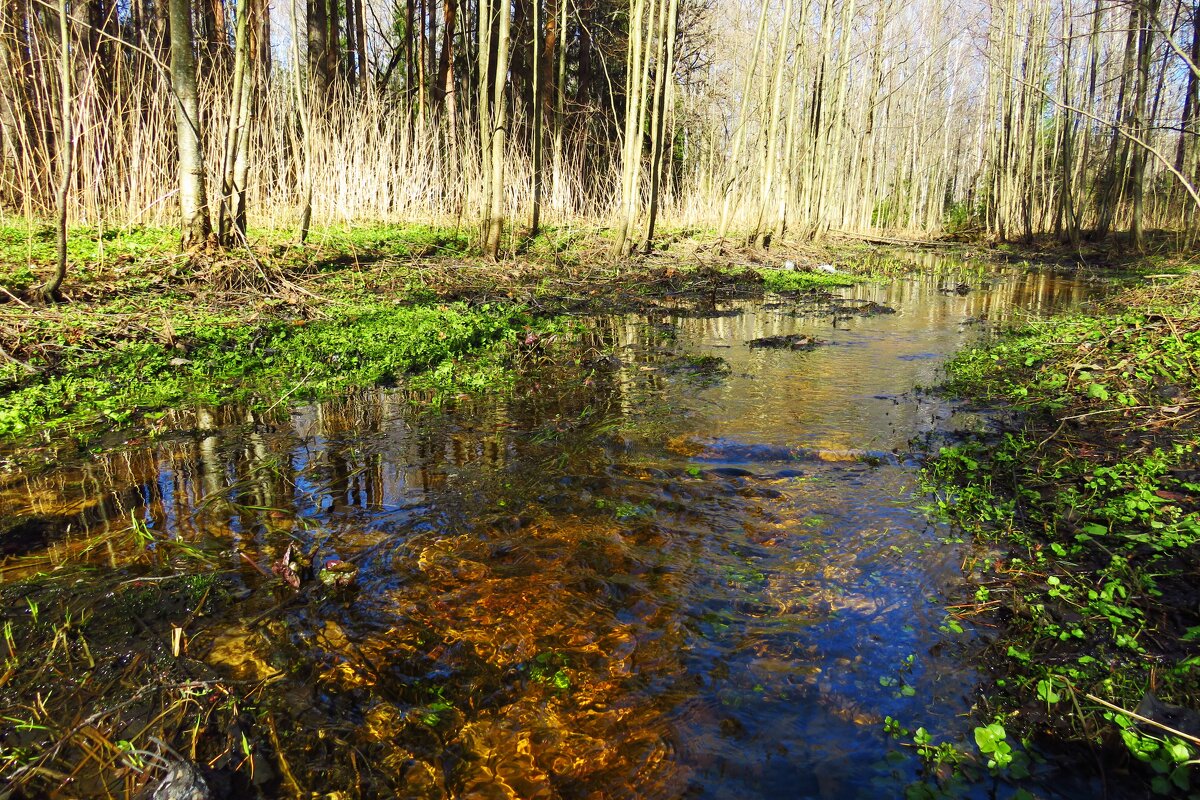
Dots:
pixel 1046 693
pixel 1020 655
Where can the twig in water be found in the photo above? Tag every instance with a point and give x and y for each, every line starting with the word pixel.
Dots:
pixel 1140 718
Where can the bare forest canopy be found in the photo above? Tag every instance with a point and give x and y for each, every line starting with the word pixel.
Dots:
pixel 1010 118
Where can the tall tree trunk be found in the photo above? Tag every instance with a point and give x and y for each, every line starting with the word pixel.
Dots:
pixel 1137 170
pixel 1111 186
pixel 422 44
pixel 303 106
pixel 445 80
pixel 231 219
pixel 351 68
pixel 739 134
pixel 484 90
pixel 660 139
pixel 261 38
pixel 560 94
pixel 317 25
pixel 333 40
pixel 635 104
pixel 495 222
pixel 360 38
pixel 193 196
pixel 66 153
pixel 1067 195
pixel 1191 97
pixel 762 226
pixel 538 112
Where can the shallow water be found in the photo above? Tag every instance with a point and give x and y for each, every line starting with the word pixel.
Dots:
pixel 631 577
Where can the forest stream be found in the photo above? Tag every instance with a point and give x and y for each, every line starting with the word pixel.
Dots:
pixel 681 563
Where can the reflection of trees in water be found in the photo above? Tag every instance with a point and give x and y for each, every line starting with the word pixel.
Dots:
pixel 233 474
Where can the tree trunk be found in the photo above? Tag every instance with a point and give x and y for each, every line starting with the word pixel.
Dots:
pixel 445 79
pixel 1191 98
pixel 360 37
pixel 317 24
pixel 351 46
pixel 1137 170
pixel 660 140
pixel 495 222
pixel 762 226
pixel 303 104
pixel 66 150
pixel 739 134
pixel 535 108
pixel 560 94
pixel 1111 186
pixel 193 197
pixel 635 73
pixel 231 219
pixel 333 38
pixel 484 90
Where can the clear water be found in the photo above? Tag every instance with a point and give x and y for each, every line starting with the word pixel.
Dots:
pixel 628 578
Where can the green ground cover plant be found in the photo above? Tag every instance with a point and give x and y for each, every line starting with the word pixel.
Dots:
pixel 145 328
pixel 1086 507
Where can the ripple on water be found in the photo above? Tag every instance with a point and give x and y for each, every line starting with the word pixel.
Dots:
pixel 638 584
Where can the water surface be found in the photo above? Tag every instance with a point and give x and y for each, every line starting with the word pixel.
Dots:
pixel 636 576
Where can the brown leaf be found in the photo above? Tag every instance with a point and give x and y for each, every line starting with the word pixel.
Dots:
pixel 286 569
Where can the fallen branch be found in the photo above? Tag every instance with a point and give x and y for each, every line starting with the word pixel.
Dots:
pixel 862 237
pixel 29 370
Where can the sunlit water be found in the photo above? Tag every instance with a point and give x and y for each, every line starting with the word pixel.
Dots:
pixel 633 580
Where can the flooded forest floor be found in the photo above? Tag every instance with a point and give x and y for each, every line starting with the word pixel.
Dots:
pixel 372 518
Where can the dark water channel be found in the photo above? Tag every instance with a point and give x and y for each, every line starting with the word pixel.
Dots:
pixel 639 577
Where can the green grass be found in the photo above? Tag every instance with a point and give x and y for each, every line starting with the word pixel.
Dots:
pixel 27 253
pixel 90 251
pixel 236 329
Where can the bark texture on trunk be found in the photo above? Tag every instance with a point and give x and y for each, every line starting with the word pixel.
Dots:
pixel 193 195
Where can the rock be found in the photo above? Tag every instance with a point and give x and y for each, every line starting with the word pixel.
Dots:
pixel 183 781
pixel 794 341
pixel 236 651
pixel 789 266
pixel 338 574
pixel 826 268
pixel 179 362
pixel 1184 720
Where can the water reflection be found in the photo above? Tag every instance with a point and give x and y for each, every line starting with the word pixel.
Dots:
pixel 565 593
